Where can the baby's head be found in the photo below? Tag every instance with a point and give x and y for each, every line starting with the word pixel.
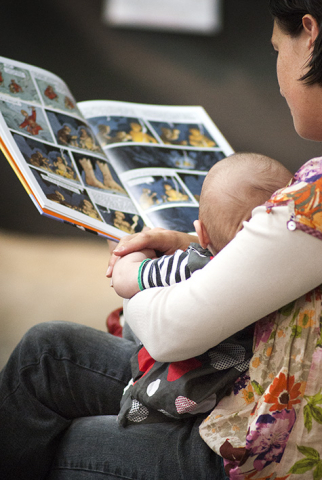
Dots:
pixel 232 188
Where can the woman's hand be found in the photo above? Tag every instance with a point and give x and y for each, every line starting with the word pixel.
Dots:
pixel 158 239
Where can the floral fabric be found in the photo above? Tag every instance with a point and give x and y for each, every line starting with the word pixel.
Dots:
pixel 270 427
pixel 304 198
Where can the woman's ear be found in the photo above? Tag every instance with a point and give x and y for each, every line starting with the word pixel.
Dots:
pixel 202 233
pixel 311 28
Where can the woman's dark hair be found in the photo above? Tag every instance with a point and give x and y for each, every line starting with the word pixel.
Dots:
pixel 288 14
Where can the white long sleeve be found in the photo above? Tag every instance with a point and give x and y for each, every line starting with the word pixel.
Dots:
pixel 264 268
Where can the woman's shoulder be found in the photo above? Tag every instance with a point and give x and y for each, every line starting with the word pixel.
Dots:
pixel 309 172
pixel 303 195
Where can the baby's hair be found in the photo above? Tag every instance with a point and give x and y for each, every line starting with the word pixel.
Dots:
pixel 266 175
pixel 235 186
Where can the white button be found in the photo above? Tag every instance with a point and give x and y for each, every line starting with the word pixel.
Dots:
pixel 291 225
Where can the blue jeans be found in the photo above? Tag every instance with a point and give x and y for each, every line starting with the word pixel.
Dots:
pixel 59 397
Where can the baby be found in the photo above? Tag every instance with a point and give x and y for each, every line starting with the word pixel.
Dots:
pixel 167 391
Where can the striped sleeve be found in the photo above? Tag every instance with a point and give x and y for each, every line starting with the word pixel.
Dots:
pixel 164 271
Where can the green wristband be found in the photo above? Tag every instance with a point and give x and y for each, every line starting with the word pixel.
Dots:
pixel 139 273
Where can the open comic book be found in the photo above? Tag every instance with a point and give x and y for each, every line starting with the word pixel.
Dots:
pixel 105 166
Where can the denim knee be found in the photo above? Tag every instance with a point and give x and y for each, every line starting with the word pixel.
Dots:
pixel 46 337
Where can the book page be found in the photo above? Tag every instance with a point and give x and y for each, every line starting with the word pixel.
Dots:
pixel 56 155
pixel 161 154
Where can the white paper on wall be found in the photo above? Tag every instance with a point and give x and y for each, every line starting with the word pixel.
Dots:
pixel 195 16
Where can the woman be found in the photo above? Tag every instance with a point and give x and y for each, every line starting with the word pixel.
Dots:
pixel 60 372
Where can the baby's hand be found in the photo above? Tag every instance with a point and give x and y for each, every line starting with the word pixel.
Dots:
pixel 126 271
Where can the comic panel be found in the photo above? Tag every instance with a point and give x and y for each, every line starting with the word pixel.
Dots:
pixel 56 95
pixel 97 173
pixel 17 82
pixel 194 183
pixel 27 119
pixel 192 135
pixel 75 198
pixel 127 222
pixel 71 132
pixel 116 129
pixel 155 191
pixel 137 156
pixel 46 157
pixel 174 218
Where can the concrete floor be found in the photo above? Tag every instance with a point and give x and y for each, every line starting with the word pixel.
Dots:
pixel 231 74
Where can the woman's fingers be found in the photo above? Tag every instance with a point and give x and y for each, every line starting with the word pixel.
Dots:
pixel 127 244
pixel 157 239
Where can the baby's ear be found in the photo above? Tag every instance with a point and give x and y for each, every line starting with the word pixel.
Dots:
pixel 202 233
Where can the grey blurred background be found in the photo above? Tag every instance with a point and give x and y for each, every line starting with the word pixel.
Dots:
pixel 50 271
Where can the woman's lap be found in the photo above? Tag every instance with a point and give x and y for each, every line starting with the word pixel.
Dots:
pixel 60 392
pixel 97 447
pixel 57 373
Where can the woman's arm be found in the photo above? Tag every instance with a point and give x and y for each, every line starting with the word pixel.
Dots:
pixel 265 267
